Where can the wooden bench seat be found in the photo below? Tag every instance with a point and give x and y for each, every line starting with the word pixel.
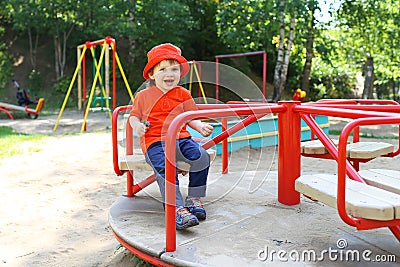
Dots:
pixel 362 200
pixel 359 150
pixel 315 147
pixel 137 162
pixel 386 179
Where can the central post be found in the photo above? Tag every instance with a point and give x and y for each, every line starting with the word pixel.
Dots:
pixel 288 153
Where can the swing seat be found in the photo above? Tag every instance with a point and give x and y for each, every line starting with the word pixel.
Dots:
pixel 100 103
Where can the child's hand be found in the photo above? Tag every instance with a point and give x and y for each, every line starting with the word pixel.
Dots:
pixel 206 129
pixel 140 127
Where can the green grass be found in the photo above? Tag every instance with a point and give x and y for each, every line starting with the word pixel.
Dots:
pixel 13 143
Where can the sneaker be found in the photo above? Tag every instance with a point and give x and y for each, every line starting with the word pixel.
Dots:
pixel 185 219
pixel 195 206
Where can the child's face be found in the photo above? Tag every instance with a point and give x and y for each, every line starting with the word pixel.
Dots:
pixel 166 74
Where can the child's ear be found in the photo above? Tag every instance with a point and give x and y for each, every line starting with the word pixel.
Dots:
pixel 151 74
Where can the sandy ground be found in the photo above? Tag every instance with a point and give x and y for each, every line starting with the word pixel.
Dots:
pixel 55 201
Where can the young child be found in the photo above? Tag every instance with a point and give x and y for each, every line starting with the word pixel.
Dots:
pixel 153 110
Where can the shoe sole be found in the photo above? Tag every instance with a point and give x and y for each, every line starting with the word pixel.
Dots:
pixel 188 224
pixel 200 216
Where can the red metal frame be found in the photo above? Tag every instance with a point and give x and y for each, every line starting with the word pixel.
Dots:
pixel 365 117
pixel 170 156
pixel 140 254
pixel 7 112
pixel 132 188
pixel 289 114
pixel 288 153
pixel 264 86
pixel 361 224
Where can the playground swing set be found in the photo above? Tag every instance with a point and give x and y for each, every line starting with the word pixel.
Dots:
pixel 101 69
pixel 236 55
pixel 101 81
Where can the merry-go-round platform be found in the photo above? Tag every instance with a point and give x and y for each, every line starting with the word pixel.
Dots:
pixel 268 209
pixel 247 226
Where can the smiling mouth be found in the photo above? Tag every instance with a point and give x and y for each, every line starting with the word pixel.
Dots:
pixel 169 81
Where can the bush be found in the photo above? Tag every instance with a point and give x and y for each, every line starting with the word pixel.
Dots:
pixel 5 67
pixel 35 81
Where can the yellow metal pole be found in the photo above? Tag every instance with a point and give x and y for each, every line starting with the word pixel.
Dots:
pixel 69 89
pixel 191 77
pixel 93 87
pixel 200 84
pixel 105 94
pixel 78 55
pixel 122 73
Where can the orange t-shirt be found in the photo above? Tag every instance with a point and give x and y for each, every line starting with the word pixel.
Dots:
pixel 159 109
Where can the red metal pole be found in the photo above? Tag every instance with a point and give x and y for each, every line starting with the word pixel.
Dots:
pixel 288 154
pixel 129 151
pixel 376 108
pixel 114 67
pixel 114 133
pixel 224 123
pixel 7 112
pixel 342 171
pixel 216 79
pixel 265 76
pixel 142 184
pixel 84 78
pixel 241 54
pixel 84 86
pixel 235 128
pixel 170 192
pixel 264 89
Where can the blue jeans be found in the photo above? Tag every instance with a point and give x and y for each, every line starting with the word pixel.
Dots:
pixel 188 151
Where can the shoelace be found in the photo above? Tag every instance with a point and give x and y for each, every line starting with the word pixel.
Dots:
pixel 183 212
pixel 197 202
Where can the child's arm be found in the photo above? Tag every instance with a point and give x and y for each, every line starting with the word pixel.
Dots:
pixel 139 127
pixel 204 129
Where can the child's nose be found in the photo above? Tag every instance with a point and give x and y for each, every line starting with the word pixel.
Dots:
pixel 170 72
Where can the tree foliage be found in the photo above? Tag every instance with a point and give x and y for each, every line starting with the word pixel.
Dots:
pixel 325 58
pixel 372 29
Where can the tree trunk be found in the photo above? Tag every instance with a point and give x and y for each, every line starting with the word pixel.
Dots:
pixel 285 65
pixel 305 79
pixel 56 56
pixel 33 47
pixel 369 78
pixel 60 52
pixel 281 50
pixel 132 41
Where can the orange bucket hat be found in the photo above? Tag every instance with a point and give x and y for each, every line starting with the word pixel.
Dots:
pixel 163 52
